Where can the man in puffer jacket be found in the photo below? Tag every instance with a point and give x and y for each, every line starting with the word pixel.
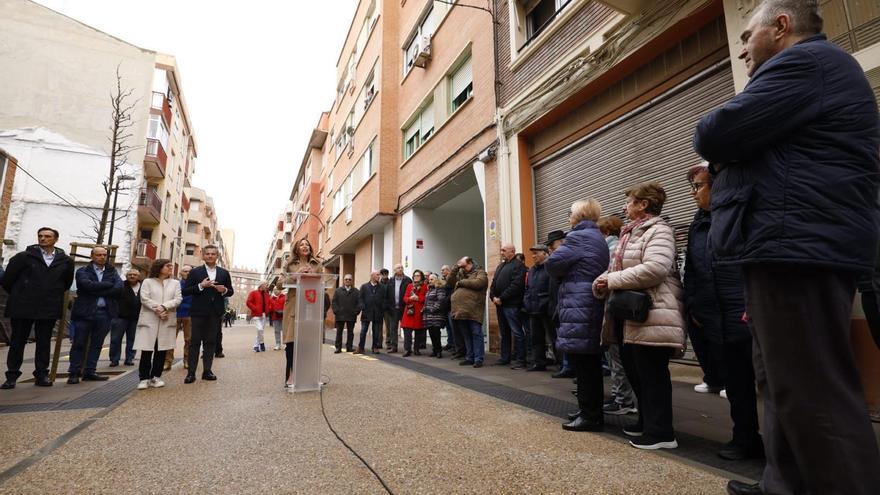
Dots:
pixel 468 282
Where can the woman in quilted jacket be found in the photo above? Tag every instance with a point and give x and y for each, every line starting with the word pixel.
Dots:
pixel 577 263
pixel 436 311
pixel 644 260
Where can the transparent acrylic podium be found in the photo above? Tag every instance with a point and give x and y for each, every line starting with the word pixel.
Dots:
pixel 309 325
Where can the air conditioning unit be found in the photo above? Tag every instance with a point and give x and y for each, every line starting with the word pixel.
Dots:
pixel 423 52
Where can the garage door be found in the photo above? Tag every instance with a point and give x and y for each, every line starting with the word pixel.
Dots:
pixel 654 142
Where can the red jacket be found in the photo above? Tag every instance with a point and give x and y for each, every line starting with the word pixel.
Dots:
pixel 258 307
pixel 278 307
pixel 414 321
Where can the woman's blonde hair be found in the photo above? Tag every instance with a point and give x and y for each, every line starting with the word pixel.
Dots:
pixel 650 191
pixel 438 282
pixel 586 209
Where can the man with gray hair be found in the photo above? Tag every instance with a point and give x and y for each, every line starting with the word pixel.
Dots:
pixel 794 203
pixel 506 293
pixel 126 324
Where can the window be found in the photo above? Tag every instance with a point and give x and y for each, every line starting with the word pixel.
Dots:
pixel 368 163
pixel 190 249
pixel 330 183
pixel 461 84
pixel 329 225
pixel 349 194
pixel 338 202
pixel 539 14
pixel 321 198
pixel 158 131
pixel 192 227
pixel 167 206
pixel 418 38
pixel 419 130
pixel 195 205
pixel 369 21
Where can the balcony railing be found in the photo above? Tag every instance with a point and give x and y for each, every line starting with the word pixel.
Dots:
pixel 160 102
pixel 149 206
pixel 144 253
pixel 155 160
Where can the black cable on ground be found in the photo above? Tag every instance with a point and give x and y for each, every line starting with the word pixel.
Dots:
pixel 363 461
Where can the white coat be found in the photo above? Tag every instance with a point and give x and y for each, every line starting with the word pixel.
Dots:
pixel 155 292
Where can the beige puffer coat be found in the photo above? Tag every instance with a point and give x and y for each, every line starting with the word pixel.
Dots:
pixel 294 266
pixel 649 264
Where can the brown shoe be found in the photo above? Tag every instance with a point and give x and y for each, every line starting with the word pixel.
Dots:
pixel 359 350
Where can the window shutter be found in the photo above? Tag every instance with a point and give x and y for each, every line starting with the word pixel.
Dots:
pixel 462 77
pixel 427 120
pixel 412 130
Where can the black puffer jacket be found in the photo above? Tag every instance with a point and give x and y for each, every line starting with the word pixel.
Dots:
pixel 536 300
pixel 508 283
pixel 36 291
pixel 713 295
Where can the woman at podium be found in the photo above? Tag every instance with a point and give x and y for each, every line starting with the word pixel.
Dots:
pixel 303 261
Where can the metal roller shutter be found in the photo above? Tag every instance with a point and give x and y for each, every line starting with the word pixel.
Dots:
pixel 654 142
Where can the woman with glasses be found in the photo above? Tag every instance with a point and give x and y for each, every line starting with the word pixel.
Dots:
pixel 157 322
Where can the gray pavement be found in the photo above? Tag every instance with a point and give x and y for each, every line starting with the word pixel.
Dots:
pixel 245 434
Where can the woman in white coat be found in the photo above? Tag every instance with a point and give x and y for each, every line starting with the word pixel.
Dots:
pixel 157 323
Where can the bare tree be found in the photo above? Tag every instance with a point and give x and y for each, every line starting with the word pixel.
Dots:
pixel 120 136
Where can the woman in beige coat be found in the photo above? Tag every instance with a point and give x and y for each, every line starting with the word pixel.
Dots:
pixel 303 261
pixel 644 259
pixel 157 323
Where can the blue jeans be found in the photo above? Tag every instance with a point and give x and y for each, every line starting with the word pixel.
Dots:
pixel 450 333
pixel 510 324
pixel 377 333
pixel 94 330
pixel 122 328
pixel 473 339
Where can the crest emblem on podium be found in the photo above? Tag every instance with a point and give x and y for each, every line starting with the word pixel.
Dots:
pixel 311 296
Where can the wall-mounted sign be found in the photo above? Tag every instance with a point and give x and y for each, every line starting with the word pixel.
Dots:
pixel 420 244
pixel 493 229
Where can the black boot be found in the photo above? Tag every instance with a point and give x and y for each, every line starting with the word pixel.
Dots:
pixel 581 424
pixel 735 487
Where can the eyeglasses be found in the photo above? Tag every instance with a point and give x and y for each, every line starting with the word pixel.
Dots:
pixel 696 186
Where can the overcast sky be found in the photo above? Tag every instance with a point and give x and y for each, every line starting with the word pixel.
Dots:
pixel 256 76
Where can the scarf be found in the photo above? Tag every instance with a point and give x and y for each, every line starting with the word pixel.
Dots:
pixel 625 233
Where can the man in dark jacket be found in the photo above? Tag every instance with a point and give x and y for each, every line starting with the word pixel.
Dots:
pixel 98 287
pixel 373 304
pixel 36 280
pixel 715 306
pixel 184 324
pixel 346 307
pixel 208 285
pixel 506 293
pixel 536 302
pixel 795 204
pixel 397 289
pixel 126 324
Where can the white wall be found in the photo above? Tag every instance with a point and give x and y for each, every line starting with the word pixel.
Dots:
pixel 407 236
pixel 447 233
pixel 388 251
pixel 75 172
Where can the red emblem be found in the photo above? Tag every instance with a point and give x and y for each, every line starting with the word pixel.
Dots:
pixel 311 296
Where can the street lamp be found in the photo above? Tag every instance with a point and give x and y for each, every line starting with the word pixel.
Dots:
pixel 308 213
pixel 119 178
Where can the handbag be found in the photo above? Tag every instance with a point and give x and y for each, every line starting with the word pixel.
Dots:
pixel 632 305
pixel 410 310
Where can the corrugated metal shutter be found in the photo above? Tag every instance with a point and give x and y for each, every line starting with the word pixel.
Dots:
pixel 874 78
pixel 654 142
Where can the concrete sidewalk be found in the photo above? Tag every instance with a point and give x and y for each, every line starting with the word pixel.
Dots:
pixel 245 434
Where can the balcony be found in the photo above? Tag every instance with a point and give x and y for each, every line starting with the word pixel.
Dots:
pixel 160 102
pixel 149 207
pixel 155 160
pixel 144 254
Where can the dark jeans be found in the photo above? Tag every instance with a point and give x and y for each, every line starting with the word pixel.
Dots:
pixel 542 329
pixel 92 333
pixel 218 348
pixel 450 332
pixel 151 363
pixel 408 338
pixel 205 332
pixel 590 387
pixel 472 332
pixel 871 305
pixel 647 368
pixel 817 435
pixel 126 328
pixel 436 344
pixel 377 334
pixel 21 330
pixel 710 355
pixel 349 341
pixel 392 324
pixel 510 325
pixel 741 391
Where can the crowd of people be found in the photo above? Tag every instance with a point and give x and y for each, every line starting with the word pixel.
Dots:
pixel 786 231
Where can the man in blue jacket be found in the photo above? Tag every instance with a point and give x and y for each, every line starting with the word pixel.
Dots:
pixel 794 202
pixel 98 287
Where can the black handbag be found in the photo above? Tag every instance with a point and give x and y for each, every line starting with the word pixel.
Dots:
pixel 632 305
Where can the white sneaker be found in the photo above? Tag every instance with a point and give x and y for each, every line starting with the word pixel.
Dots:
pixel 723 394
pixel 277 347
pixel 704 388
pixel 157 383
pixel 143 384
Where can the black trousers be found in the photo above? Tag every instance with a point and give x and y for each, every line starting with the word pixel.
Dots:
pixel 543 330
pixel 436 344
pixel 590 387
pixel 461 333
pixel 740 385
pixel 647 369
pixel 151 363
pixel 817 435
pixel 205 331
pixel 710 354
pixel 871 305
pixel 420 336
pixel 218 349
pixel 21 330
pixel 288 354
pixel 349 340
